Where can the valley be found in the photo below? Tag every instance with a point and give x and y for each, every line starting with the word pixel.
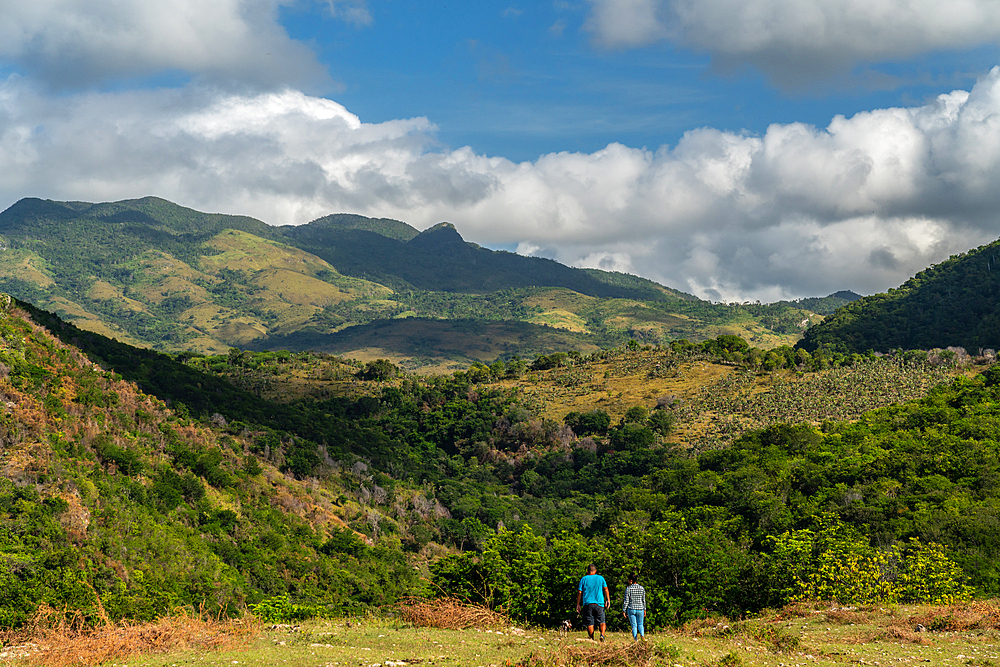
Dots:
pixel 203 415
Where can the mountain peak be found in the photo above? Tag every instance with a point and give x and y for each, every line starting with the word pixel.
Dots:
pixel 31 208
pixel 442 227
pixel 443 235
pixel 387 227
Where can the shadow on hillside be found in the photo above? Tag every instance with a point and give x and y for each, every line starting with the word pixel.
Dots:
pixel 432 342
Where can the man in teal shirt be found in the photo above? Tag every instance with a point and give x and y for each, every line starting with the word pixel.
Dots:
pixel 593 594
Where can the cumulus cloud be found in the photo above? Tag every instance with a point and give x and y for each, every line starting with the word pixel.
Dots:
pixel 799 211
pixel 796 40
pixel 72 43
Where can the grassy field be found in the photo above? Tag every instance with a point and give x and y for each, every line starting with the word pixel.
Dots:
pixel 821 634
pixel 713 402
pixel 716 402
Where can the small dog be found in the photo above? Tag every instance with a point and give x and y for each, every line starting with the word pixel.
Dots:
pixel 565 627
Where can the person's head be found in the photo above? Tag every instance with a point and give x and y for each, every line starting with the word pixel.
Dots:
pixel 632 579
pixel 591 569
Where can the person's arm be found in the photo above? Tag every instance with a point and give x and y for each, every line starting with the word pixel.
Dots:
pixel 607 598
pixel 578 594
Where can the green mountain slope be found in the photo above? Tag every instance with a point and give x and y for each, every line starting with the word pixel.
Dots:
pixel 827 304
pixel 392 229
pixel 955 303
pixel 156 274
pixel 439 260
pixel 112 505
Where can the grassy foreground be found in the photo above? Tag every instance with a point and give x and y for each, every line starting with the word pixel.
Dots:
pixel 798 635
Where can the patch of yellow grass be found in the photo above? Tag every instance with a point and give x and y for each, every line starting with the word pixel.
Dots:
pixel 102 290
pixel 237 332
pixel 245 252
pixel 558 298
pixel 26 265
pixel 606 387
pixel 298 288
pixel 560 319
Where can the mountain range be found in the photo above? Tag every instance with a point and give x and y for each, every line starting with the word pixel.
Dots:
pixel 156 274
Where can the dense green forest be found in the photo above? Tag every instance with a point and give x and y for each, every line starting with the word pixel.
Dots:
pixel 952 304
pixel 228 497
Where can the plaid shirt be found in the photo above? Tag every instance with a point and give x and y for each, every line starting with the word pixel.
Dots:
pixel 635 598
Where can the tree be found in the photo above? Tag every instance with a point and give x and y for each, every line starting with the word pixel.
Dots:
pixel 380 370
pixel 588 423
pixel 661 421
pixel 636 415
pixel 632 438
pixel 516 565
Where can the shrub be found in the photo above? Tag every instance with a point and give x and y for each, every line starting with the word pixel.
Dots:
pixel 279 609
pixel 595 422
pixel 380 370
pixel 836 563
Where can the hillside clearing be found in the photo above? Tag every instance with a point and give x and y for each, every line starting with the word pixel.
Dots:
pixel 821 634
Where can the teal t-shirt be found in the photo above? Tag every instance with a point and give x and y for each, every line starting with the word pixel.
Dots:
pixel 592 586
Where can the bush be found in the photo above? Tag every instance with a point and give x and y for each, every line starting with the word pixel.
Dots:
pixel 595 422
pixel 279 609
pixel 632 438
pixel 127 461
pixel 379 370
pixel 836 563
pixel 661 421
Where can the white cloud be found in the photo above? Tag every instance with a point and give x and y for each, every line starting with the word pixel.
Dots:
pixel 796 40
pixel 72 43
pixel 628 23
pixel 861 204
pixel 351 11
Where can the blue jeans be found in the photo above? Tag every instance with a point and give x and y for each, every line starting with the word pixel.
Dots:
pixel 635 618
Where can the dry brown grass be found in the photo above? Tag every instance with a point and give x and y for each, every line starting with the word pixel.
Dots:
pixel 630 654
pixel 799 609
pixel 57 639
pixel 975 615
pixel 450 613
pixel 890 634
pixel 848 616
pixel 709 626
pixel 922 626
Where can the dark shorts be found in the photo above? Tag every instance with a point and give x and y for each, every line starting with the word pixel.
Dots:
pixel 593 614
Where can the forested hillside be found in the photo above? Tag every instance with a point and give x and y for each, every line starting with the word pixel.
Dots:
pixel 731 478
pixel 155 274
pixel 952 304
pixel 111 503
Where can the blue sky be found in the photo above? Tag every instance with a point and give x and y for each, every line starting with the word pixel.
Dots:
pixel 734 149
pixel 522 80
